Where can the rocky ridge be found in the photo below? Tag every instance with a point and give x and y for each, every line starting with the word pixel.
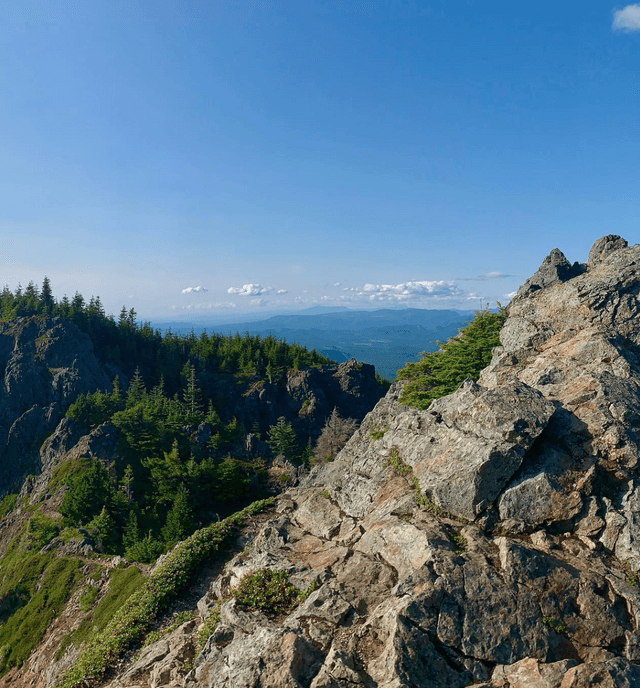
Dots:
pixel 491 540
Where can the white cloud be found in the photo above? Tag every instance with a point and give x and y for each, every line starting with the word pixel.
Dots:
pixel 487 276
pixel 511 294
pixel 337 284
pixel 627 19
pixel 191 290
pixel 249 290
pixel 416 289
pixel 258 302
pixel 204 306
pixel 281 291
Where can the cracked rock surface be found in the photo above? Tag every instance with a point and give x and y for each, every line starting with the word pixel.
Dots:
pixel 516 567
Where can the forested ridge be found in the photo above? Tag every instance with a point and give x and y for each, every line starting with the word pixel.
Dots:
pixel 130 345
pixel 177 459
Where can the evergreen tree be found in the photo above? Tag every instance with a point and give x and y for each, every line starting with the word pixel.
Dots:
pixel 283 440
pixel 90 490
pixel 46 296
pixel 131 534
pixel 191 396
pixel 103 529
pixel 179 519
pixel 137 390
pixel 77 303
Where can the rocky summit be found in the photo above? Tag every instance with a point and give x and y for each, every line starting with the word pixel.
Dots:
pixel 492 540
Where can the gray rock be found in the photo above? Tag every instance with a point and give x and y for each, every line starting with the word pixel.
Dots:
pixel 604 247
pixel 555 268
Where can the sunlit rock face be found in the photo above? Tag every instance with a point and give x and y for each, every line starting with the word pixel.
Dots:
pixel 491 540
pixel 519 570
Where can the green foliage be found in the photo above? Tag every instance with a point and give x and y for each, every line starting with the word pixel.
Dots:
pixel 555 625
pixel 179 518
pixel 267 591
pixel 458 541
pixel 464 356
pixel 283 440
pixel 91 489
pixel 130 621
pixel 122 584
pixel 88 597
pixel 208 627
pixel 33 592
pixel 8 504
pixel 39 531
pixel 145 550
pixel 103 530
pixel 376 433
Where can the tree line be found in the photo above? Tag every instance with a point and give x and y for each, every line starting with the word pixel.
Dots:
pixel 129 344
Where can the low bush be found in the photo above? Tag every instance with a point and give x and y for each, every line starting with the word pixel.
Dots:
pixel 464 356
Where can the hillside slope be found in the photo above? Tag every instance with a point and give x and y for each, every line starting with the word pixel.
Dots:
pixel 490 540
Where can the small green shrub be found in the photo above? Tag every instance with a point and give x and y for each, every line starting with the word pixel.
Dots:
pixel 40 530
pixel 557 626
pixel 269 591
pixel 441 372
pixel 458 541
pixel 209 626
pixel 376 433
pixel 88 597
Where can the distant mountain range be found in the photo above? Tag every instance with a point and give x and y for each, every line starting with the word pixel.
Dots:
pixel 387 338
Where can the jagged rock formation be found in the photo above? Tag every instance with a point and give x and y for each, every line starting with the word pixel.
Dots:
pixel 514 562
pixel 490 541
pixel 309 396
pixel 45 363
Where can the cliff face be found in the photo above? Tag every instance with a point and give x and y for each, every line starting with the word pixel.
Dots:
pixel 45 363
pixel 492 540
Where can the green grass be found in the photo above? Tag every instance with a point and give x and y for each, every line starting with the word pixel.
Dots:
pixel 57 578
pixel 441 372
pixel 8 504
pixel 122 584
pixel 130 621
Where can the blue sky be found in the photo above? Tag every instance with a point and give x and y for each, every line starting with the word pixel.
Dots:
pixel 282 154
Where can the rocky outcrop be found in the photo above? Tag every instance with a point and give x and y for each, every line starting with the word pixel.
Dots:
pixel 491 540
pixel 45 363
pixel 307 397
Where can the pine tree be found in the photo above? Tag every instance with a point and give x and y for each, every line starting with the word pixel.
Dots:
pixel 46 296
pixel 283 440
pixel 137 390
pixel 191 396
pixel 179 518
pixel 103 529
pixel 90 490
pixel 131 534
